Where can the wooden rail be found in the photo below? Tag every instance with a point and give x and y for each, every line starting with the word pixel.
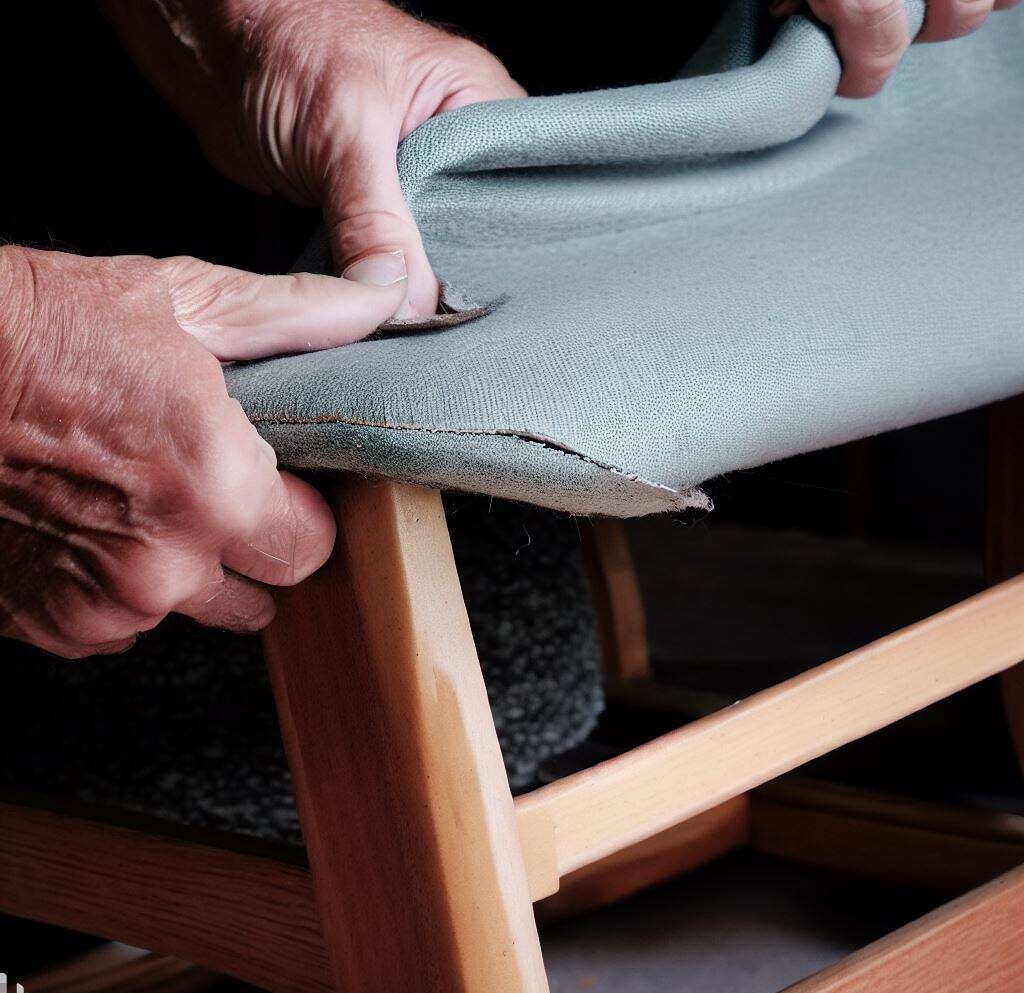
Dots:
pixel 591 814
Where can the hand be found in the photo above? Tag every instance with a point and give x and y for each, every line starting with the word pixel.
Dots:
pixel 872 35
pixel 310 98
pixel 131 485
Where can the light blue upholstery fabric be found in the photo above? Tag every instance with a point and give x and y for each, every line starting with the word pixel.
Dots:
pixel 691 278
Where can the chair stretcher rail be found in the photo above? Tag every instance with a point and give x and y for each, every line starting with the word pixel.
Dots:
pixel 591 814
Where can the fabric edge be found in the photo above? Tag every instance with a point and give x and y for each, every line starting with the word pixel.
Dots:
pixel 561 478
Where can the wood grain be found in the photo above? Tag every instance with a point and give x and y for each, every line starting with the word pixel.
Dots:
pixel 634 796
pixel 618 605
pixel 399 780
pixel 898 840
pixel 249 917
pixel 1005 534
pixel 972 945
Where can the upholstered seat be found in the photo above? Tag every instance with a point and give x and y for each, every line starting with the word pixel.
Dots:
pixel 689 278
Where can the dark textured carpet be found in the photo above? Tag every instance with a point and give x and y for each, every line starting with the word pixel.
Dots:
pixel 183 727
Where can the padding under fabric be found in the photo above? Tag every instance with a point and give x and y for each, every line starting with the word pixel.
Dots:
pixel 691 278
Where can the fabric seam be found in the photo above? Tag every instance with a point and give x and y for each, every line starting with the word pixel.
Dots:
pixel 694 494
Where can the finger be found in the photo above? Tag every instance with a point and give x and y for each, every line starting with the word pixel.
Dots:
pixel 946 19
pixel 367 216
pixel 74 652
pixel 292 538
pixel 233 603
pixel 267 525
pixel 81 615
pixel 871 37
pixel 239 315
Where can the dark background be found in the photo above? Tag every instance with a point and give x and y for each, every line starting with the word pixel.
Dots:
pixel 93 162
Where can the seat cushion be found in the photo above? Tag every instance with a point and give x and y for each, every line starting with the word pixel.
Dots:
pixel 183 727
pixel 688 278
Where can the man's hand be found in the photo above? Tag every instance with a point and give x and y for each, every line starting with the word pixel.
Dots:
pixel 873 35
pixel 131 485
pixel 310 98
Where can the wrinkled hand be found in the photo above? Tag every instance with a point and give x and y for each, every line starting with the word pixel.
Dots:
pixel 131 485
pixel 872 35
pixel 325 92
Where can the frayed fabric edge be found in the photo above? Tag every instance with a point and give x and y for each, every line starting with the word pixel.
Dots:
pixel 692 498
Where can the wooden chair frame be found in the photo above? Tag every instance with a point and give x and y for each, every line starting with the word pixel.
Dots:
pixel 423 873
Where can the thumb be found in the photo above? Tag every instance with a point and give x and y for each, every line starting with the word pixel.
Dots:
pixel 239 315
pixel 368 218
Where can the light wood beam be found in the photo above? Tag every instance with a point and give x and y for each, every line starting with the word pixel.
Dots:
pixel 679 775
pixel 399 780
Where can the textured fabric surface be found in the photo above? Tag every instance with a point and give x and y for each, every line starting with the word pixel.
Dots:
pixel 184 728
pixel 692 277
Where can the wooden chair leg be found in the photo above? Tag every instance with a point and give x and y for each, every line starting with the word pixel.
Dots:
pixel 399 781
pixel 1005 539
pixel 617 602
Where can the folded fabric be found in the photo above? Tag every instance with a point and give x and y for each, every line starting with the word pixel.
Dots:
pixel 688 278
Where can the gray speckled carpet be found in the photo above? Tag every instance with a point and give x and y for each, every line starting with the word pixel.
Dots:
pixel 183 727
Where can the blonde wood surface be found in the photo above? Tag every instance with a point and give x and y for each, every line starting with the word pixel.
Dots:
pixel 1005 538
pixel 399 780
pixel 619 607
pixel 540 854
pixel 117 968
pixel 973 945
pixel 250 917
pixel 634 796
pixel 681 848
pixel 903 841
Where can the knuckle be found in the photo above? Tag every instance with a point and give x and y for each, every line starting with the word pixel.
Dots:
pixel 189 286
pixel 969 15
pixel 229 505
pixel 225 478
pixel 361 231
pixel 153 584
pixel 152 600
pixel 872 14
pixel 955 18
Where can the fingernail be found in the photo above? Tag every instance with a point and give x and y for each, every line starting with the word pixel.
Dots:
pixel 383 269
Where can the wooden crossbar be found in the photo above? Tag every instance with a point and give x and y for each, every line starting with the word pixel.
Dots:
pixel 591 814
